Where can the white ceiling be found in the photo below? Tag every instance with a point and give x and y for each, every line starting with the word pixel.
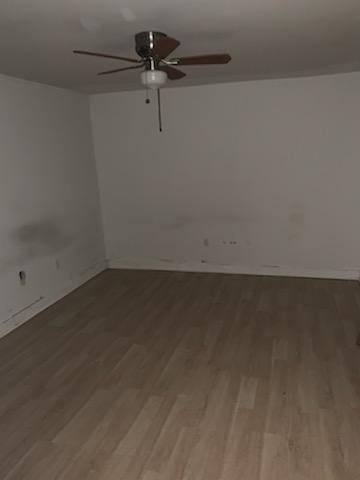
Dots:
pixel 266 38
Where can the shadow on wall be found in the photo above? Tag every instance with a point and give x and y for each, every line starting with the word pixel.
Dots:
pixel 37 239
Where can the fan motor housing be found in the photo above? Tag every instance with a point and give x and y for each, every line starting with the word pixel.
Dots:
pixel 145 41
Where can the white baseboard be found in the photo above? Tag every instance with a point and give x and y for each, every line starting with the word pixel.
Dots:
pixel 272 270
pixel 41 303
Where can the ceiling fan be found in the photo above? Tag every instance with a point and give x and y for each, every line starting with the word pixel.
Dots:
pixel 153 48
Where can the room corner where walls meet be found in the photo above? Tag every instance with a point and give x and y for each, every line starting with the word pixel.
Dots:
pixel 51 233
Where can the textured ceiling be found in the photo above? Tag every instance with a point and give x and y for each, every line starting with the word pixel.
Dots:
pixel 266 38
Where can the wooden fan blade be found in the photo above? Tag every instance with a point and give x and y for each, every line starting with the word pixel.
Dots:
pixel 107 72
pixel 172 73
pixel 105 55
pixel 165 46
pixel 217 59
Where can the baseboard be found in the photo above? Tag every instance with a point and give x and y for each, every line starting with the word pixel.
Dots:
pixel 41 303
pixel 271 270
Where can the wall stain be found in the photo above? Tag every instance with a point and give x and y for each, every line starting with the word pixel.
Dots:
pixel 296 224
pixel 37 239
pixel 297 218
pixel 187 221
pixel 41 238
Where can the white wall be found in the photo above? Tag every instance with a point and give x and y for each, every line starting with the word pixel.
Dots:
pixel 49 208
pixel 250 177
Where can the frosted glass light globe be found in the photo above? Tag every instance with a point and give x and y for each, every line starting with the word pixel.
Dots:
pixel 153 78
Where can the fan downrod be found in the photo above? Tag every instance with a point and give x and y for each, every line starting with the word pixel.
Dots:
pixel 145 43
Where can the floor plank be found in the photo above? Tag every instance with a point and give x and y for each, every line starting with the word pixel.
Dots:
pixel 143 375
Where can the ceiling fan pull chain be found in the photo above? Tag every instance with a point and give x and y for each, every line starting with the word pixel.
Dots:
pixel 147 99
pixel 159 110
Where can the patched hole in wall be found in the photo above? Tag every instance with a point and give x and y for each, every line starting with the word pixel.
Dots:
pixel 22 277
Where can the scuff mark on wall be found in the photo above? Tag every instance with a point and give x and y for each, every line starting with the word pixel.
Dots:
pixel 22 310
pixel 297 218
pixel 296 224
pixel 177 223
pixel 166 260
pixel 189 220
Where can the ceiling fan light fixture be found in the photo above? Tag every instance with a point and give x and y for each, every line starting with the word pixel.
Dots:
pixel 153 79
pixel 153 48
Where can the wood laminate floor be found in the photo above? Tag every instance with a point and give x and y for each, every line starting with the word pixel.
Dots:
pixel 169 376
